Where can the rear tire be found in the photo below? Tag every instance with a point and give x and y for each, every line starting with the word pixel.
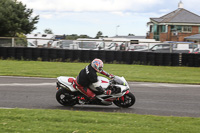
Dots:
pixel 65 98
pixel 129 100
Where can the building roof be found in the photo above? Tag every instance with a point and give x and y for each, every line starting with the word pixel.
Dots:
pixel 197 36
pixel 138 37
pixel 180 15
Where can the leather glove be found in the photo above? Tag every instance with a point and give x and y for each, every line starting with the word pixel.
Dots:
pixel 111 76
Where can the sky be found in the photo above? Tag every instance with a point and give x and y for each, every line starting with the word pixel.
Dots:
pixel 111 17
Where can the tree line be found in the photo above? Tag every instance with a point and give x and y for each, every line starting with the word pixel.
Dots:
pixel 15 18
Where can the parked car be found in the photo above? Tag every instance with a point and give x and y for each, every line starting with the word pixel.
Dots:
pixel 112 46
pixel 169 48
pixel 196 51
pixel 137 47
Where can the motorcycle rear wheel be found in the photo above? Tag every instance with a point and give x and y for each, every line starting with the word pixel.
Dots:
pixel 64 98
pixel 128 101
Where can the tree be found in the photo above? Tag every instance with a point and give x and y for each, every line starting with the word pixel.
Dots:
pixel 99 34
pixel 48 31
pixel 71 37
pixel 131 34
pixel 16 18
pixel 84 36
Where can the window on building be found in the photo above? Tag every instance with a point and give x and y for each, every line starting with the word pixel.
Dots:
pixel 173 28
pixel 163 28
pixel 199 29
pixel 187 29
pixel 179 28
pixel 44 35
pixel 151 28
pixel 176 28
pixel 155 28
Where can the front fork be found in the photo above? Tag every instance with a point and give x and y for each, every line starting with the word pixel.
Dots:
pixel 122 97
pixel 57 86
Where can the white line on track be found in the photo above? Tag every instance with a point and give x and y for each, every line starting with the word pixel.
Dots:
pixel 25 77
pixel 163 85
pixel 29 84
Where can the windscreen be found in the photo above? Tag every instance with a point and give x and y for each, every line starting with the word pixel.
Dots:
pixel 118 80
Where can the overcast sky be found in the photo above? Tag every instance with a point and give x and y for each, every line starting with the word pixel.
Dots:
pixel 90 16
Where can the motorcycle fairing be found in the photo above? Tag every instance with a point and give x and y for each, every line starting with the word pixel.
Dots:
pixel 108 99
pixel 103 81
pixel 65 81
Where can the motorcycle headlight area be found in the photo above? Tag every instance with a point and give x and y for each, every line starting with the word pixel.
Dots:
pixel 116 89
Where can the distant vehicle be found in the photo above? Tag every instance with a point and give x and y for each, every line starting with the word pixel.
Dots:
pixel 137 47
pixel 89 44
pixel 66 44
pixel 86 45
pixel 196 51
pixel 183 46
pixel 130 41
pixel 175 47
pixel 54 44
pixel 41 40
pixel 112 46
pixel 31 45
pixel 160 48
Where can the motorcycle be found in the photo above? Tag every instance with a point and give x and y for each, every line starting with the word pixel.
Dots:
pixel 68 95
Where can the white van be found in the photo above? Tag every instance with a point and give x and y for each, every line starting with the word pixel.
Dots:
pixel 184 46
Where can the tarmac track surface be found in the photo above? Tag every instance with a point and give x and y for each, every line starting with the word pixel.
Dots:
pixel 151 98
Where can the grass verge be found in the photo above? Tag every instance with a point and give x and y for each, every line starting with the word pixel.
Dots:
pixel 40 121
pixel 64 121
pixel 141 73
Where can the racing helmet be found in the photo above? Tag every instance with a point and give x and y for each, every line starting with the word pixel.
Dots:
pixel 97 64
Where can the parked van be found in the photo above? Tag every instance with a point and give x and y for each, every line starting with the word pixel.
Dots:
pixel 41 40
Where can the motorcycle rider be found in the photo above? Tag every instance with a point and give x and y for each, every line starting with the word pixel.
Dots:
pixel 88 76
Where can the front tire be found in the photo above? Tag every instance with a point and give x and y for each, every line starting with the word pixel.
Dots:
pixel 126 102
pixel 64 98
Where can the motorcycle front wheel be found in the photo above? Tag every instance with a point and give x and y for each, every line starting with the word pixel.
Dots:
pixel 125 101
pixel 64 98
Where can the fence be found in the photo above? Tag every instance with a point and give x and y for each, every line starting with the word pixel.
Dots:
pixel 12 42
pixel 127 57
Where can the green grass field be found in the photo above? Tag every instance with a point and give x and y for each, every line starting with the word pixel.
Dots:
pixel 65 121
pixel 165 74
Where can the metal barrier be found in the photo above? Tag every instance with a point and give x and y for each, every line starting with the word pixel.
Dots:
pixel 12 42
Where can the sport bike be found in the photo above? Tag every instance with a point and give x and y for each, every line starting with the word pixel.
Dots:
pixel 69 95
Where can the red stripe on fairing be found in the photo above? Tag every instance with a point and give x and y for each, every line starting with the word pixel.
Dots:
pixel 110 100
pixel 127 92
pixel 122 98
pixel 103 81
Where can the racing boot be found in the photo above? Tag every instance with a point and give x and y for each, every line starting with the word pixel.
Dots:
pixel 102 91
